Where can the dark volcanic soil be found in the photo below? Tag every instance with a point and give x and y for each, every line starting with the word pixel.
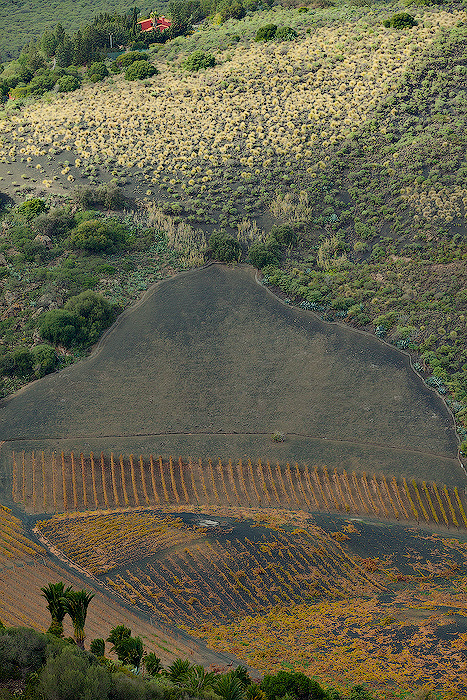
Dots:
pixel 218 362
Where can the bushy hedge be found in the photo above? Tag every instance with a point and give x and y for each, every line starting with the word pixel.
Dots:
pixel 401 20
pixel 272 32
pixel 80 323
pixel 68 83
pixel 266 33
pixel 224 247
pixel 97 71
pixel 22 362
pixel 285 34
pixel 98 235
pixel 199 60
pixel 126 59
pixel 139 70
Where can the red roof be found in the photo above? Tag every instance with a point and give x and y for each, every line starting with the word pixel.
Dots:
pixel 146 25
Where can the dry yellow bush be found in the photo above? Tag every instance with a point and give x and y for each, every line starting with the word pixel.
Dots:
pixel 268 101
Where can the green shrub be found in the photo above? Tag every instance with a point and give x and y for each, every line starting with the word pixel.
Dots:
pixel 60 327
pixel 42 82
pixel 97 647
pixel 285 34
pixel 139 70
pixel 95 314
pixel 224 247
pixel 111 196
pixel 55 222
pixel 31 208
pixel 262 254
pixel 126 59
pixel 97 71
pixel 44 359
pixel 98 235
pixel 21 651
pixel 80 323
pixel 266 33
pixel 401 20
pixel 284 234
pixel 18 363
pixel 198 60
pixel 68 83
pixel 231 9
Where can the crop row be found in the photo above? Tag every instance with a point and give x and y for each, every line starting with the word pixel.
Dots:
pixel 60 483
pixel 13 543
pixel 104 541
pixel 227 579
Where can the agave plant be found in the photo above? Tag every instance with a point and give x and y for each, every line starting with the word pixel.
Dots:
pixel 76 605
pixel 54 593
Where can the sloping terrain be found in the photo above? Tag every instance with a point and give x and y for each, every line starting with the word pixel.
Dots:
pixel 210 354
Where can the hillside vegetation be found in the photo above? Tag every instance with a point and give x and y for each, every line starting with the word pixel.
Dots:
pixel 346 134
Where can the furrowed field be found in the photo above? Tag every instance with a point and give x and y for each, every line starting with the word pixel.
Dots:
pixel 271 589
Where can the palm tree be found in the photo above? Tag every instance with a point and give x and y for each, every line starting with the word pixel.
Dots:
pixel 197 679
pixel 76 605
pixel 229 687
pixel 178 670
pixel 54 593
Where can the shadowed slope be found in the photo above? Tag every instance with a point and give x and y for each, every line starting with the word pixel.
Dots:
pixel 210 351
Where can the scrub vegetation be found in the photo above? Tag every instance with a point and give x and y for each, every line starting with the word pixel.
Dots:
pixel 325 144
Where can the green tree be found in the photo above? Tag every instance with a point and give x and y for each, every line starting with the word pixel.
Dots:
pixel 76 605
pixel 130 651
pixel 64 52
pixel 152 664
pixel 117 635
pixel 55 593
